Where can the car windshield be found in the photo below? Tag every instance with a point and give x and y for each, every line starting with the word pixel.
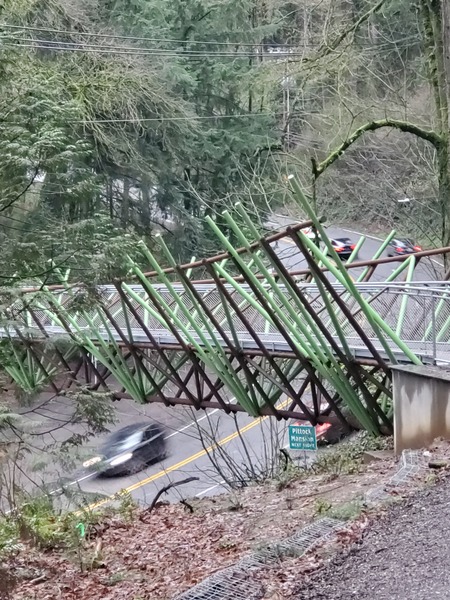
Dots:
pixel 126 443
pixel 132 440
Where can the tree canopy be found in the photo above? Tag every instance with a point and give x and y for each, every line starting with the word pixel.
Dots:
pixel 119 120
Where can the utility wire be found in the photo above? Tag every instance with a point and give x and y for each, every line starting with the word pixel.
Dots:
pixel 169 119
pixel 62 46
pixel 146 39
pixel 187 118
pixel 173 40
pixel 44 45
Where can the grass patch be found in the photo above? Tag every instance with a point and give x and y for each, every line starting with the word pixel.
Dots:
pixel 343 512
pixel 346 458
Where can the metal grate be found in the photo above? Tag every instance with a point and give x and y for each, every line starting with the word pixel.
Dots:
pixel 235 583
pixel 225 585
pixel 412 463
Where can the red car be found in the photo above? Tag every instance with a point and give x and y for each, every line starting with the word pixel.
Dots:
pixel 402 247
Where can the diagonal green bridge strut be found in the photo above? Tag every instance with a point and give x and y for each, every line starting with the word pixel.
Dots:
pixel 239 330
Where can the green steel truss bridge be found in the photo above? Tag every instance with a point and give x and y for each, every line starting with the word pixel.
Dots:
pixel 238 331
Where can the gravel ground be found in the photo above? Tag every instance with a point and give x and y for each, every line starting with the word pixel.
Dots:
pixel 405 556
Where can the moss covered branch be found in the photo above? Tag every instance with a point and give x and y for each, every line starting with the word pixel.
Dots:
pixel 426 134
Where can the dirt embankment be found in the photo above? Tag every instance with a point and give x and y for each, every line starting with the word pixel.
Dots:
pixel 159 555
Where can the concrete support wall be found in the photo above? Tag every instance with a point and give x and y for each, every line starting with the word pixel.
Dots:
pixel 421 405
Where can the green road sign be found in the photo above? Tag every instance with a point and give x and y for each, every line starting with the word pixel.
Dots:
pixel 302 437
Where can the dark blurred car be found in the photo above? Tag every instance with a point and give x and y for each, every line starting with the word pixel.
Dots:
pixel 343 246
pixel 129 450
pixel 402 247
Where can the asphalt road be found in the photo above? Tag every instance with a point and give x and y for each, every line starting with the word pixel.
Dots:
pixel 187 454
pixel 193 438
pixel 426 270
pixel 403 556
pixel 190 457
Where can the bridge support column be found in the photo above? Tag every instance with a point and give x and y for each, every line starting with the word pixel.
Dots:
pixel 421 396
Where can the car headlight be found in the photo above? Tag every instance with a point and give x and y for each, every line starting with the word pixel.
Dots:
pixel 92 461
pixel 121 459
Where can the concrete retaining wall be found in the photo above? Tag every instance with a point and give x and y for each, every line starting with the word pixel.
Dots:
pixel 421 405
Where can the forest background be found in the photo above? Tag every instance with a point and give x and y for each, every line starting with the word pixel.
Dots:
pixel 120 119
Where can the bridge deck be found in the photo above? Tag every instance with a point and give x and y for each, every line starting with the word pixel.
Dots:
pixel 427 351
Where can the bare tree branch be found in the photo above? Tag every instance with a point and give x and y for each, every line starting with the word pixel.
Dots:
pixel 163 491
pixel 21 193
pixel 425 134
pixel 327 49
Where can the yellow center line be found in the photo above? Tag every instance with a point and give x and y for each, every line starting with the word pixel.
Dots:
pixel 182 463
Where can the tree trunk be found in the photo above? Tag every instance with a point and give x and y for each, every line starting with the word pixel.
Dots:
pixel 445 11
pixel 439 21
pixel 443 158
pixel 146 210
pixel 110 197
pixel 125 212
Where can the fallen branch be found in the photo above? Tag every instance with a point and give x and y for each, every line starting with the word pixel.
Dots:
pixel 163 491
pixel 287 458
pixel 186 504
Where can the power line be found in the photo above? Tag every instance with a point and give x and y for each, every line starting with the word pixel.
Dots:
pixel 187 118
pixel 184 118
pixel 127 51
pixel 137 49
pixel 146 39
pixel 3 216
pixel 62 46
pixel 161 119
pixel 169 119
pixel 112 36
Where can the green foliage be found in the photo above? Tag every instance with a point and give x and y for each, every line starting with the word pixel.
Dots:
pixel 127 506
pixel 9 537
pixel 399 22
pixel 7 418
pixel 287 474
pixel 343 512
pixel 321 506
pixel 347 458
pixel 115 578
pixel 96 141
pixel 38 523
pixel 100 143
pixel 94 408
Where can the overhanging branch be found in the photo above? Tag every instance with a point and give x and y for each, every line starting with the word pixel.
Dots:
pixel 334 44
pixel 428 135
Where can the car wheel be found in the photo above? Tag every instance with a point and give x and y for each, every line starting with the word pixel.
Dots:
pixel 159 450
pixel 158 454
pixel 136 465
pixel 162 456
